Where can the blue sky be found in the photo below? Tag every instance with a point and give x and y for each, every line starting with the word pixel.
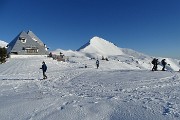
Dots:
pixel 148 26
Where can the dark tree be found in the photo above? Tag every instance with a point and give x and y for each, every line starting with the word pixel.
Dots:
pixel 3 55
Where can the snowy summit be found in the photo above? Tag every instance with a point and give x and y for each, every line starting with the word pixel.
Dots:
pixel 100 47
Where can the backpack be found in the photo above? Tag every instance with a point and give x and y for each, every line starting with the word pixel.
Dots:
pixel 44 67
pixel 163 62
pixel 97 62
pixel 153 62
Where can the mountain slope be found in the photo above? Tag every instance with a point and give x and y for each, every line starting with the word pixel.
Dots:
pixel 75 93
pixel 69 53
pixel 100 47
pixel 119 58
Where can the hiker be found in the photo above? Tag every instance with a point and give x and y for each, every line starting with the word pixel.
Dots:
pixel 97 63
pixel 163 62
pixel 44 68
pixel 155 63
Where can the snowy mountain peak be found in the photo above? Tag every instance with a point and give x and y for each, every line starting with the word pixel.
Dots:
pixel 98 40
pixel 100 47
pixel 3 44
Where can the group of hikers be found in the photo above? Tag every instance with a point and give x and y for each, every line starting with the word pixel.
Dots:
pixel 155 62
pixel 44 68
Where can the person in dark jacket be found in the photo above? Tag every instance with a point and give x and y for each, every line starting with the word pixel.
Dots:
pixel 44 68
pixel 97 63
pixel 163 62
pixel 155 63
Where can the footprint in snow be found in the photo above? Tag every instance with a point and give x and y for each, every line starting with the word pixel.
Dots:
pixel 167 108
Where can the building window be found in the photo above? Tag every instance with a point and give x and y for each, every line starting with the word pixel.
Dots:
pixel 15 53
pixel 22 39
pixel 32 50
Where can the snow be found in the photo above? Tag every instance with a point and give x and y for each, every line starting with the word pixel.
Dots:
pixel 27 56
pixel 116 91
pixel 123 88
pixel 3 43
pixel 100 47
pixel 67 52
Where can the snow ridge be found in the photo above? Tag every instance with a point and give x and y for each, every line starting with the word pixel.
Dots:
pixel 100 47
pixel 127 58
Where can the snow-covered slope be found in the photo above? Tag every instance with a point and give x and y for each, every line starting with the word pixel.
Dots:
pixel 3 44
pixel 133 53
pixel 68 53
pixel 123 88
pixel 100 47
pixel 72 92
pixel 123 57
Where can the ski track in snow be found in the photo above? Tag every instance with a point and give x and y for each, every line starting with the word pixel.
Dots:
pixel 73 90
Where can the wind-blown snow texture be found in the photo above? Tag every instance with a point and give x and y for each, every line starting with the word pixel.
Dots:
pixel 123 88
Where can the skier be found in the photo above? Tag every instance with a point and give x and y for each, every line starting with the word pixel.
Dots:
pixel 97 63
pixel 163 62
pixel 44 68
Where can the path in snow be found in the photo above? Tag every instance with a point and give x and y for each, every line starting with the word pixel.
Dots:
pixel 72 92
